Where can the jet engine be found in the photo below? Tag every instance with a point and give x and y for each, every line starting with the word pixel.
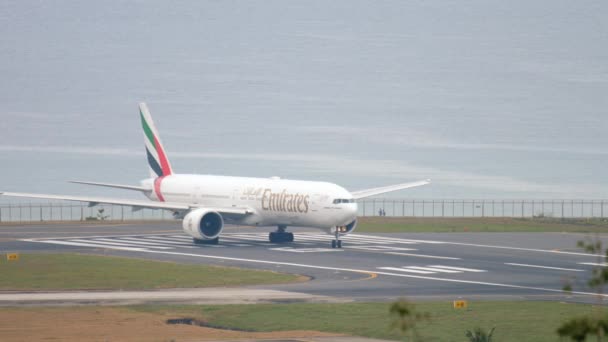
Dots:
pixel 203 224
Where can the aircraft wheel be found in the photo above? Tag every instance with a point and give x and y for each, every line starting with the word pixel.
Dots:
pixel 206 242
pixel 333 243
pixel 339 244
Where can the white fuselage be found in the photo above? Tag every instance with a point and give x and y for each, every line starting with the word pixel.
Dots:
pixel 272 201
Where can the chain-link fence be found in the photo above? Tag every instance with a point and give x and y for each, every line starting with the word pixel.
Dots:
pixel 66 211
pixel 483 208
pixel 63 211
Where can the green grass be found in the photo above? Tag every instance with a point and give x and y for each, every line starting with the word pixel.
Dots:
pixel 514 321
pixel 443 225
pixel 78 271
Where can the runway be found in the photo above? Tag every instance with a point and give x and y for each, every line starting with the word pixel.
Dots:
pixel 370 267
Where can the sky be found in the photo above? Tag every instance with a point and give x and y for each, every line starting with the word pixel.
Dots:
pixel 489 99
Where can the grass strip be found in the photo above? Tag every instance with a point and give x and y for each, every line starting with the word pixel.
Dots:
pixel 92 272
pixel 514 320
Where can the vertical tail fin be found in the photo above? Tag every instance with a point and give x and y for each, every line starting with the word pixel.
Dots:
pixel 157 158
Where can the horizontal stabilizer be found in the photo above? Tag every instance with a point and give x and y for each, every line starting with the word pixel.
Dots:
pixel 381 190
pixel 110 185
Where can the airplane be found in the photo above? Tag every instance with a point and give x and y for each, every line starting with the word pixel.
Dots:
pixel 206 202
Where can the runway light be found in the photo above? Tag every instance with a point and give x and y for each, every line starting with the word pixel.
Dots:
pixel 12 256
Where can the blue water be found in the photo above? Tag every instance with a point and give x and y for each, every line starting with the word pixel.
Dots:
pixel 490 99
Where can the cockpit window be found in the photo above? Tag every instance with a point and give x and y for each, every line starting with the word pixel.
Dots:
pixel 344 200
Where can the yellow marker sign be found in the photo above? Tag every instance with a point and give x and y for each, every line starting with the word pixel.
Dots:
pixel 12 257
pixel 460 304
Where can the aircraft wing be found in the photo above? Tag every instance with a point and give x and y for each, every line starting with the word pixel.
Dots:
pixel 384 189
pixel 127 202
pixel 111 185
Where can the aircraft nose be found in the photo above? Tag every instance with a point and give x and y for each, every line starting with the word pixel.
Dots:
pixel 352 209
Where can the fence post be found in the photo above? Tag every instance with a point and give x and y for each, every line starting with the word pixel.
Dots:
pixel 442 208
pixel 602 209
pixel 374 207
pixel 413 208
pixel 403 208
pixel 423 208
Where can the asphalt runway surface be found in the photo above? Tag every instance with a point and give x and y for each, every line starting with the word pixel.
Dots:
pixel 369 267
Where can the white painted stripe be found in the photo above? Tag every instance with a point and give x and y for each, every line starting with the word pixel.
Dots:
pixel 405 270
pixel 241 245
pixel 397 239
pixel 602 264
pixel 161 239
pixel 154 243
pixel 423 256
pixel 181 237
pixel 523 249
pixel 382 248
pixel 102 242
pixel 373 239
pixel 458 268
pixel 546 267
pixel 170 241
pixel 432 269
pixel 68 243
pixel 248 237
pixel 142 242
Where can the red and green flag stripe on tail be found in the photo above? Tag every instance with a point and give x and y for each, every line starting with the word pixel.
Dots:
pixel 158 160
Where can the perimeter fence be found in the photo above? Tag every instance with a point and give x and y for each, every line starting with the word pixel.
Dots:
pixel 390 207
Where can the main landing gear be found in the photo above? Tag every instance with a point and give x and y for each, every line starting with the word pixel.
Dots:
pixel 206 242
pixel 280 236
pixel 337 243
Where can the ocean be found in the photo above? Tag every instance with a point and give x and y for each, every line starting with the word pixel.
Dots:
pixel 489 99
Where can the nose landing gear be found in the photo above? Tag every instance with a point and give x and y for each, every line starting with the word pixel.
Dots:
pixel 337 243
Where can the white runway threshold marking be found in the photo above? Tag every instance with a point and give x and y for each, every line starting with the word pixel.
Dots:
pixel 423 256
pixel 431 269
pixel 545 267
pixel 172 241
pixel 305 250
pixel 275 263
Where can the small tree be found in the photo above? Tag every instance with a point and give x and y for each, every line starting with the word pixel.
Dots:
pixel 579 328
pixel 478 335
pixel 405 318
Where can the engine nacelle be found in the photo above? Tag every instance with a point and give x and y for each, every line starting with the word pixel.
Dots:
pixel 346 229
pixel 203 224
